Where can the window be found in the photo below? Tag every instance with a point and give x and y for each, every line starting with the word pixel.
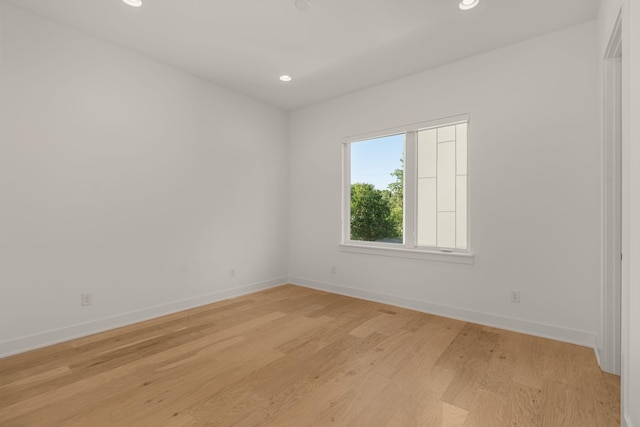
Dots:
pixel 406 190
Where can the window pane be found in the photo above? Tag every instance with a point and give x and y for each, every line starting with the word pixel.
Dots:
pixel 461 149
pixel 377 189
pixel 446 229
pixel 461 212
pixel 428 215
pixel 447 176
pixel 427 153
pixel 441 205
pixel 446 133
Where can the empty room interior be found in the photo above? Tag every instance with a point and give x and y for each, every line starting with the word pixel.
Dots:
pixel 320 212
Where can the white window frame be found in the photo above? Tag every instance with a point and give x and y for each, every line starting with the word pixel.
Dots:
pixel 407 249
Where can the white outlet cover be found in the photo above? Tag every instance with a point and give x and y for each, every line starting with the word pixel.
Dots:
pixel 515 296
pixel 86 299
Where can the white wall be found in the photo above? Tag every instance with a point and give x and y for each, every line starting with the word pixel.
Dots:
pixel 127 179
pixel 534 185
pixel 630 14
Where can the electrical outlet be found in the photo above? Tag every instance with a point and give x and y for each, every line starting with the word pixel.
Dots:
pixel 232 272
pixel 515 296
pixel 333 269
pixel 86 299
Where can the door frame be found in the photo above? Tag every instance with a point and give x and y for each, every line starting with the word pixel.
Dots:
pixel 612 226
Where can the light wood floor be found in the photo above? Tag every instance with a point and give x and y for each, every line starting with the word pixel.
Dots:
pixel 291 356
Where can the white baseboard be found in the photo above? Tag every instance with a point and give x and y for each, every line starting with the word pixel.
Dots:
pixel 572 336
pixel 599 357
pixel 20 345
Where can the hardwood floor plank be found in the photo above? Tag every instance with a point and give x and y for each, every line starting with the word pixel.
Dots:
pixel 384 323
pixel 468 355
pixel 305 354
pixel 529 368
pixel 291 398
pixel 488 410
pixel 34 379
pixel 525 405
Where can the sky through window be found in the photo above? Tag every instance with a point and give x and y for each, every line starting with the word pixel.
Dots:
pixel 373 161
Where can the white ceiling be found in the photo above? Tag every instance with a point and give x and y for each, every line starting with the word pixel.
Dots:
pixel 338 47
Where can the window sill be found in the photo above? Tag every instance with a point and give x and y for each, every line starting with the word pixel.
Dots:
pixel 454 257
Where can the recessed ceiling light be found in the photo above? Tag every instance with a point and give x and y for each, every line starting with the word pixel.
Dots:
pixel 285 78
pixel 303 5
pixel 468 4
pixel 134 3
